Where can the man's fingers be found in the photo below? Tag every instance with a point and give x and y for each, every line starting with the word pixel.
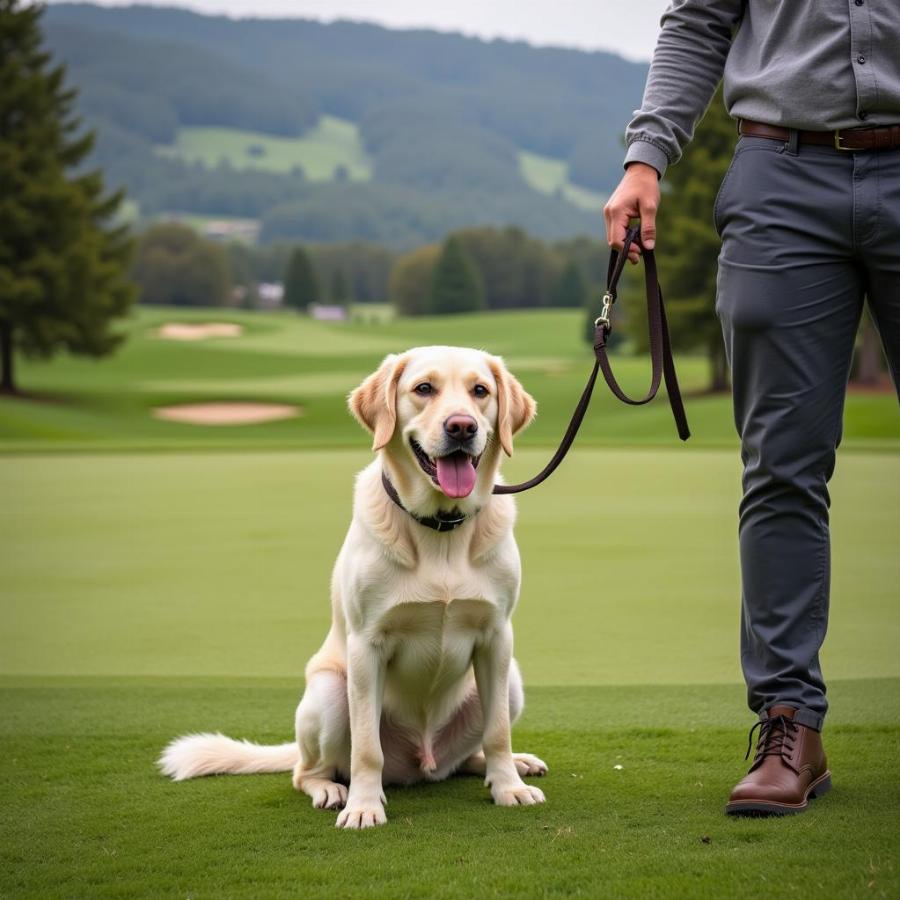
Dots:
pixel 648 225
pixel 616 226
pixel 637 196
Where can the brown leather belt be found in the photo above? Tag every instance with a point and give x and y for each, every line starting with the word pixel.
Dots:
pixel 881 137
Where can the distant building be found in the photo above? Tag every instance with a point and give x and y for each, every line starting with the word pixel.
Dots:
pixel 271 295
pixel 244 230
pixel 327 313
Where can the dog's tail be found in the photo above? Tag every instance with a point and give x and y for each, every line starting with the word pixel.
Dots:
pixel 214 754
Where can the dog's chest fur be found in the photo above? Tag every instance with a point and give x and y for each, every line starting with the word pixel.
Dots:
pixel 431 620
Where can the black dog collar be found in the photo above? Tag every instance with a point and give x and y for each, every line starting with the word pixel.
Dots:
pixel 440 522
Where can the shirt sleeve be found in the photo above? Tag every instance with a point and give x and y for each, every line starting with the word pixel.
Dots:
pixel 687 65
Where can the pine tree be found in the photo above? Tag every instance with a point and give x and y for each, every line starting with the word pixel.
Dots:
pixel 301 287
pixel 456 285
pixel 63 261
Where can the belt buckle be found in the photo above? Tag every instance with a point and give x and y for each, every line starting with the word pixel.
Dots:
pixel 837 142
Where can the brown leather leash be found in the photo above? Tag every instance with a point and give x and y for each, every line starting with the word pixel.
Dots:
pixel 661 360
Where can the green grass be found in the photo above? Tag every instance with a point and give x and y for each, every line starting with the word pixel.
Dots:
pixel 145 595
pixel 85 813
pixel 149 593
pixel 332 143
pixel 549 176
pixel 119 564
pixel 85 404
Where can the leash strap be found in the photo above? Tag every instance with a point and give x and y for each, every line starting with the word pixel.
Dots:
pixel 661 360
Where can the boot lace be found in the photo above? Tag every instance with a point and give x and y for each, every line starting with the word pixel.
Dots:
pixel 776 735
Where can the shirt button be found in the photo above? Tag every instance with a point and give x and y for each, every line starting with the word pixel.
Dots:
pixel 863 114
pixel 861 59
pixel 858 2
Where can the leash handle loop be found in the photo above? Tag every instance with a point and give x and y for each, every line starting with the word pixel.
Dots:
pixel 661 359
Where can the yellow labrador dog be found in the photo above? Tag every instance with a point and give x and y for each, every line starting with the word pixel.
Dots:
pixel 415 679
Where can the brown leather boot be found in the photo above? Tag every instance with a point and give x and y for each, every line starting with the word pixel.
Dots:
pixel 789 768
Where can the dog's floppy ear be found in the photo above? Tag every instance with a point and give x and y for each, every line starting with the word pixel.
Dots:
pixel 374 402
pixel 515 407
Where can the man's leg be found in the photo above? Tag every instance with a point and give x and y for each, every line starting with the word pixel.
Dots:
pixel 789 298
pixel 878 180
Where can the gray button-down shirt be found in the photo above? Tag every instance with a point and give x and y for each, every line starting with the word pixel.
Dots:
pixel 813 64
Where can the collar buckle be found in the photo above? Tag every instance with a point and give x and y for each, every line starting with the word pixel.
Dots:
pixel 435 523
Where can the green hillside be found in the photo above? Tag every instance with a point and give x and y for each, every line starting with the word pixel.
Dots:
pixel 345 131
pixel 549 175
pixel 332 144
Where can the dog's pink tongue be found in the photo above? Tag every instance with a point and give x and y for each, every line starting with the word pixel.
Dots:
pixel 456 474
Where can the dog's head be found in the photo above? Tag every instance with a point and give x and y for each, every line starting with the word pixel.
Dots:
pixel 444 410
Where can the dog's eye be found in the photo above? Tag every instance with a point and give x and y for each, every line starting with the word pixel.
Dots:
pixel 424 389
pixel 480 390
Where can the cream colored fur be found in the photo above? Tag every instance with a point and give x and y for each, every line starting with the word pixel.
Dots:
pixel 415 679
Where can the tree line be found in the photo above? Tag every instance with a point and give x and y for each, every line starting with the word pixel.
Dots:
pixel 472 269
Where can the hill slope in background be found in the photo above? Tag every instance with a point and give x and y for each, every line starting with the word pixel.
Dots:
pixel 444 122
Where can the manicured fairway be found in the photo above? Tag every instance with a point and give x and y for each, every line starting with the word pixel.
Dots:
pixel 158 578
pixel 144 595
pixel 82 404
pixel 218 564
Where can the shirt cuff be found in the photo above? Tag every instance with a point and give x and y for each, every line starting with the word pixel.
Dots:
pixel 644 152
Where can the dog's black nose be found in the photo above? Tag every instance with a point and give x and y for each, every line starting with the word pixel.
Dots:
pixel 461 428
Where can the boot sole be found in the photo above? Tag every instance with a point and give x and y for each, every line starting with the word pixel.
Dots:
pixel 820 787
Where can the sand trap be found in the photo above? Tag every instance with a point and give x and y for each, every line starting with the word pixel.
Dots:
pixel 227 413
pixel 186 331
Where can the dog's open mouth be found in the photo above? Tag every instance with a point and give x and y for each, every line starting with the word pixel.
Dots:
pixel 454 473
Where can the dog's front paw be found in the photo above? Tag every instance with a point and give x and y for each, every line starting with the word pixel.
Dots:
pixel 361 814
pixel 526 764
pixel 329 795
pixel 520 794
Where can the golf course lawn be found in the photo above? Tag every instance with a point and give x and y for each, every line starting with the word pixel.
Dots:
pixel 85 404
pixel 145 595
pixel 158 578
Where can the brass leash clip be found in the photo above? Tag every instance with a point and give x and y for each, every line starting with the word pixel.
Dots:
pixel 603 318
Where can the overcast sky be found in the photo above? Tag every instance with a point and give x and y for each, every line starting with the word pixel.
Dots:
pixel 627 28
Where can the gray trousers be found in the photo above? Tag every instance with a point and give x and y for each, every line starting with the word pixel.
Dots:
pixel 807 233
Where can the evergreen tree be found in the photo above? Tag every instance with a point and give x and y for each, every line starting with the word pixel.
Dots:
pixel 571 289
pixel 688 246
pixel 63 261
pixel 456 285
pixel 301 287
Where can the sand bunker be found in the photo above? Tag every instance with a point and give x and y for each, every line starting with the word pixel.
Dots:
pixel 187 331
pixel 227 413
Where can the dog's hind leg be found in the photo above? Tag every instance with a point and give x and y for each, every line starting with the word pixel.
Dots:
pixel 458 745
pixel 323 734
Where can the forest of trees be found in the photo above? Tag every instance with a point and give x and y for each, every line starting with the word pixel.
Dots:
pixel 473 268
pixel 442 118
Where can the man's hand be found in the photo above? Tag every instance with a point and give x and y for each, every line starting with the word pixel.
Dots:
pixel 636 197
